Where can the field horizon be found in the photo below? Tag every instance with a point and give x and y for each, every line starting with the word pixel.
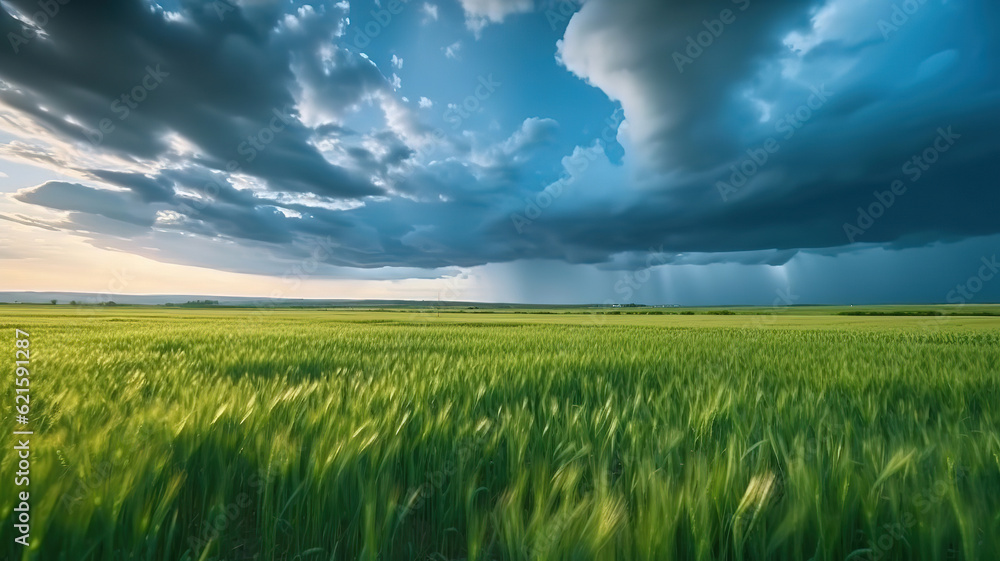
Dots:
pixel 227 301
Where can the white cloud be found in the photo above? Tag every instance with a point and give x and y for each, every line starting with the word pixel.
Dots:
pixel 533 133
pixel 396 81
pixel 425 103
pixel 397 62
pixel 430 12
pixel 673 107
pixel 480 13
pixel 404 122
pixel 836 21
pixel 452 50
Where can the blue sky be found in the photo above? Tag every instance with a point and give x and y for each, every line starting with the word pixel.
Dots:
pixel 729 152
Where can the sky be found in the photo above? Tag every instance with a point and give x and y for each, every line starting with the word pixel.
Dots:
pixel 537 151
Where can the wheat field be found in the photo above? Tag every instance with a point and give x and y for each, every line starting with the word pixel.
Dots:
pixel 324 435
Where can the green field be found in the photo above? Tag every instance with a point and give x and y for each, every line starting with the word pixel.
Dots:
pixel 228 434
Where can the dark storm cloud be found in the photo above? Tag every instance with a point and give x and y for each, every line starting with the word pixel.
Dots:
pixel 841 138
pixel 259 223
pixel 147 188
pixel 124 77
pixel 121 206
pixel 740 144
pixel 28 221
pixel 679 96
pixel 209 186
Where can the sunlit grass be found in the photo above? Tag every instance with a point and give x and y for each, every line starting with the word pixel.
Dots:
pixel 393 435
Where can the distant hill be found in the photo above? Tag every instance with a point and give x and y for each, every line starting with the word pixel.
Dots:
pixel 201 300
pixel 93 298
